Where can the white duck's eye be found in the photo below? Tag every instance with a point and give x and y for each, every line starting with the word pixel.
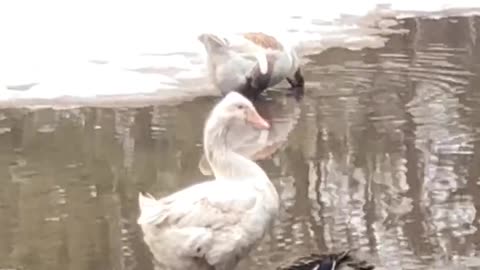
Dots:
pixel 240 107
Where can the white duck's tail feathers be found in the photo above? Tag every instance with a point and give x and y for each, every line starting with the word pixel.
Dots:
pixel 150 209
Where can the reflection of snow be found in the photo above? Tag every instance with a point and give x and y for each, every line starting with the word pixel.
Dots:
pixel 435 111
pixel 123 123
pixel 456 217
pixel 440 135
pixel 443 139
pixel 287 190
pixel 342 200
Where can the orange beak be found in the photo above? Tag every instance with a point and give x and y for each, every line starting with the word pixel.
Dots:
pixel 256 120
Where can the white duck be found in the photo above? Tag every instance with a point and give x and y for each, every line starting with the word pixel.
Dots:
pixel 214 224
pixel 251 63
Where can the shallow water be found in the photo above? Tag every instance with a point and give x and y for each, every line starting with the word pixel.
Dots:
pixel 380 155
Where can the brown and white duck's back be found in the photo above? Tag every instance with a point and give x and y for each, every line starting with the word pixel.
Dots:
pixel 250 61
pixel 263 40
pixel 282 61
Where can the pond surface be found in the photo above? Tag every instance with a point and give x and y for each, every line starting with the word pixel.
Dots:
pixel 381 155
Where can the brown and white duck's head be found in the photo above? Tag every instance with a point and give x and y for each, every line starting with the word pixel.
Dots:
pixel 213 42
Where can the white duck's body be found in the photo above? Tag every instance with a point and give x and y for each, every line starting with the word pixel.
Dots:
pixel 250 63
pixel 214 224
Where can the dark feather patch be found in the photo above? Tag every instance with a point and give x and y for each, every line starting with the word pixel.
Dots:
pixel 327 262
pixel 256 82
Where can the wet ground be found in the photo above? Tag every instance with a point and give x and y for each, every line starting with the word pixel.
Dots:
pixel 380 155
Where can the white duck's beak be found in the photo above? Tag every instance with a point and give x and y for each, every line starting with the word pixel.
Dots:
pixel 256 120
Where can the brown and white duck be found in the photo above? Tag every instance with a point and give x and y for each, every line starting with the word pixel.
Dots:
pixel 250 63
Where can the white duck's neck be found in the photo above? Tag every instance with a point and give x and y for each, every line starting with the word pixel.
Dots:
pixel 225 163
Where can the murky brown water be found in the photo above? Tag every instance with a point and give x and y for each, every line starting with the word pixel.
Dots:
pixel 381 155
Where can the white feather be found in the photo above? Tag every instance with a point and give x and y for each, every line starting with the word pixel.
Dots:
pixel 262 61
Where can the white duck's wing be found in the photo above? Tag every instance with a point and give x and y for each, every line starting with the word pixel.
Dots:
pixel 205 215
pixel 199 205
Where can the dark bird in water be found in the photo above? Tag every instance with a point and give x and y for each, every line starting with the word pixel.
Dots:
pixel 333 261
